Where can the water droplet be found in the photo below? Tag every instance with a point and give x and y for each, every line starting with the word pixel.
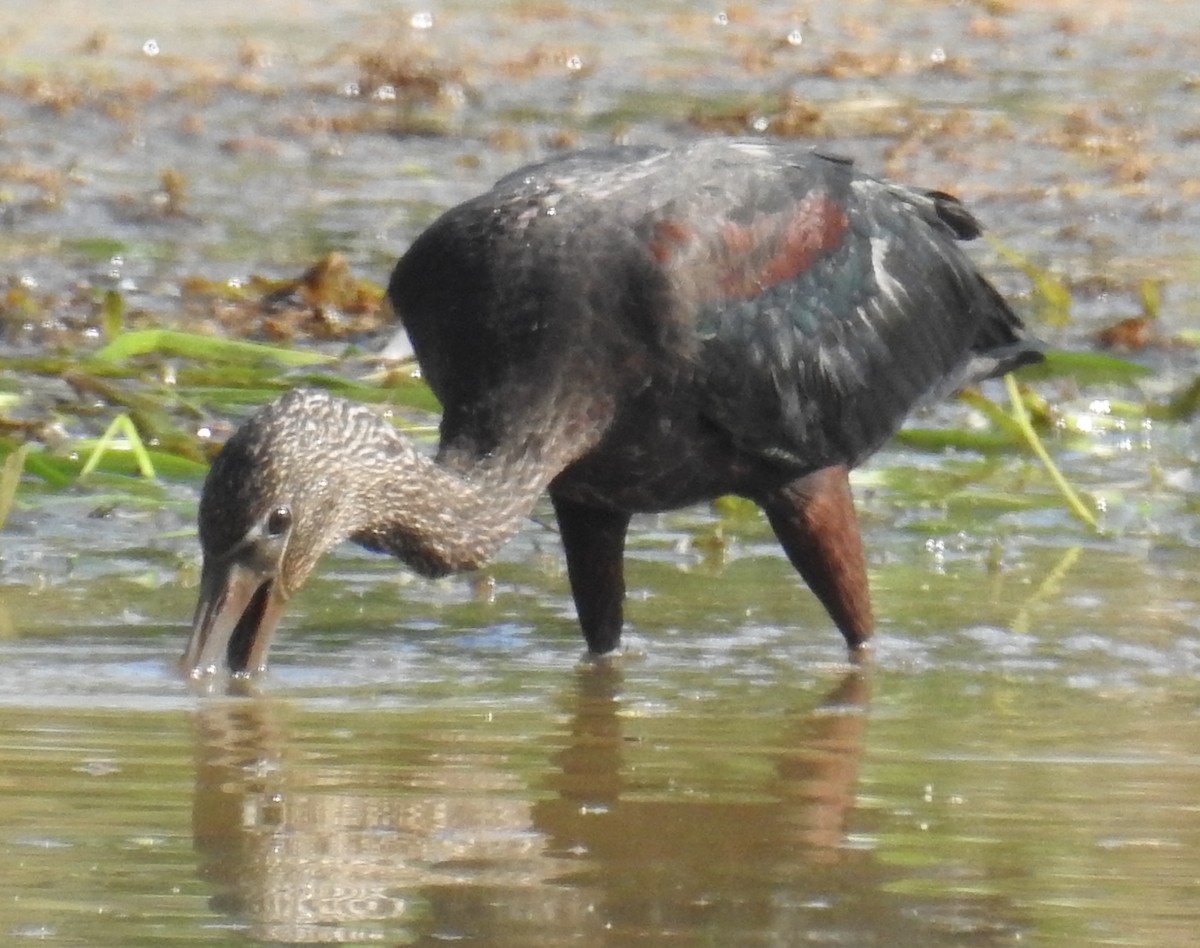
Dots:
pixel 574 63
pixel 384 94
pixel 421 20
pixel 760 123
pixel 938 56
pixel 150 47
pixel 795 38
pixel 721 18
pixel 351 90
pixel 204 432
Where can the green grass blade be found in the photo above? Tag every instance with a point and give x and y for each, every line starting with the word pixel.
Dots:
pixel 10 479
pixel 1085 367
pixel 938 440
pixel 57 473
pixel 994 413
pixel 125 427
pixel 211 348
pixel 1021 417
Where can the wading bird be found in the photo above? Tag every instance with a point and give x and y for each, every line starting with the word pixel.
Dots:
pixel 630 329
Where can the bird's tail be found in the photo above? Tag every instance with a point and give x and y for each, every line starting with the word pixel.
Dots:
pixel 1001 344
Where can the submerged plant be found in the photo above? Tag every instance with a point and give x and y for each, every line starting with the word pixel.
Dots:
pixel 10 477
pixel 173 387
pixel 122 427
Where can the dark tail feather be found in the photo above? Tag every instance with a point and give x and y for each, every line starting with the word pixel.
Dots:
pixel 1001 345
pixel 1002 342
pixel 950 211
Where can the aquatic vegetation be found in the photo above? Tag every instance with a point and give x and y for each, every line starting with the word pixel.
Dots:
pixel 10 477
pixel 1021 417
pixel 167 213
pixel 165 397
pixel 184 361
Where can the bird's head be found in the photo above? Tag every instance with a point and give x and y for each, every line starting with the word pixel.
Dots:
pixel 272 503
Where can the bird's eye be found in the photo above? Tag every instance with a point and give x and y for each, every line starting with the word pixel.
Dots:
pixel 279 521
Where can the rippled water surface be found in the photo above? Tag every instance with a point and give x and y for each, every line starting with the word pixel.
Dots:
pixel 431 763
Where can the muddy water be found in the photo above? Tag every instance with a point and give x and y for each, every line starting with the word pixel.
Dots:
pixel 433 762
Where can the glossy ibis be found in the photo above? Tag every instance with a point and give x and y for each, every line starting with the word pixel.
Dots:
pixel 630 329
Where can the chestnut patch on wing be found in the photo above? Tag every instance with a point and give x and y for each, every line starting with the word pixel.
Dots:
pixel 761 254
pixel 666 237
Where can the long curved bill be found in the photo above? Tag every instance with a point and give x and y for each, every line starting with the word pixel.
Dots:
pixel 235 619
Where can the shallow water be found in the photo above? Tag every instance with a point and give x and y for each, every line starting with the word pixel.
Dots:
pixel 435 762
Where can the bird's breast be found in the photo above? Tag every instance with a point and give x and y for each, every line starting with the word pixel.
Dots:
pixel 664 462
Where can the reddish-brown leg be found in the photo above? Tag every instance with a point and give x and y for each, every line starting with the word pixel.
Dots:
pixel 814 519
pixel 594 541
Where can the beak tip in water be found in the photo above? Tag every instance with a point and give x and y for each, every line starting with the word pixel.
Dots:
pixel 235 618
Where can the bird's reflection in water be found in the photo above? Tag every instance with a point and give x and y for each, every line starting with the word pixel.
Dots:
pixel 444 840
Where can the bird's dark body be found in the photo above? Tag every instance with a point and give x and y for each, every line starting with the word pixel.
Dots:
pixel 721 319
pixel 633 329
